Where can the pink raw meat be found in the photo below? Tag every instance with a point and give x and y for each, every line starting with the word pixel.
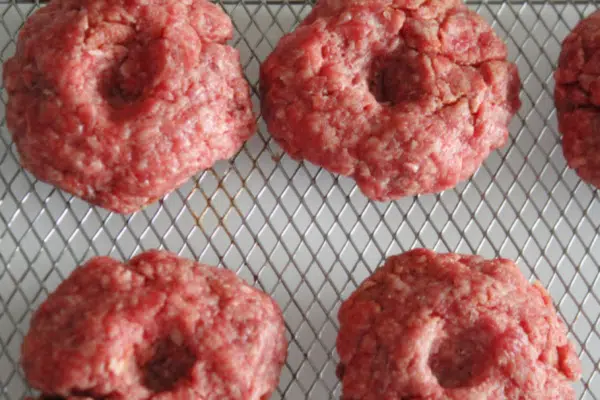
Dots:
pixel 407 98
pixel 158 327
pixel 120 101
pixel 577 98
pixel 453 327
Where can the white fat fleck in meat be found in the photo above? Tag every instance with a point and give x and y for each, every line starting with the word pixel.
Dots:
pixel 96 165
pixel 412 167
pixel 142 165
pixel 346 17
pixel 97 53
pixel 117 365
pixel 93 141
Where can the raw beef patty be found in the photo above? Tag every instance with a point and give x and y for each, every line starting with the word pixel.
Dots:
pixel 157 327
pixel 406 98
pixel 448 326
pixel 120 101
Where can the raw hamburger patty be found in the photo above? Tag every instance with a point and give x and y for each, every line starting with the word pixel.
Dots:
pixel 450 326
pixel 406 98
pixel 577 97
pixel 157 327
pixel 120 101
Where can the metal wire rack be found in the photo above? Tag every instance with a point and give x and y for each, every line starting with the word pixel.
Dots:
pixel 308 237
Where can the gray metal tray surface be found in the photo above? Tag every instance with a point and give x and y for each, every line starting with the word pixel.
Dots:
pixel 309 237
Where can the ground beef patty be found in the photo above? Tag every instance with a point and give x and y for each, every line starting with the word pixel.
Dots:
pixel 121 101
pixel 407 98
pixel 577 97
pixel 157 327
pixel 450 326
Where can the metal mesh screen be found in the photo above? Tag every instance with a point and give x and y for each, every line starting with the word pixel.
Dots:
pixel 308 237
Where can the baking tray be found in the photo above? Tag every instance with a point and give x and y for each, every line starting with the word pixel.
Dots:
pixel 308 237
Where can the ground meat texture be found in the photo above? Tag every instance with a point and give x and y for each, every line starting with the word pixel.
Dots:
pixel 158 327
pixel 120 101
pixel 405 98
pixel 577 97
pixel 450 326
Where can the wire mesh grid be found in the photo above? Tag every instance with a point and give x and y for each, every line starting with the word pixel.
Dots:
pixel 308 237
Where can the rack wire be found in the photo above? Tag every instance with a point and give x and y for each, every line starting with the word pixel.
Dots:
pixel 308 237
